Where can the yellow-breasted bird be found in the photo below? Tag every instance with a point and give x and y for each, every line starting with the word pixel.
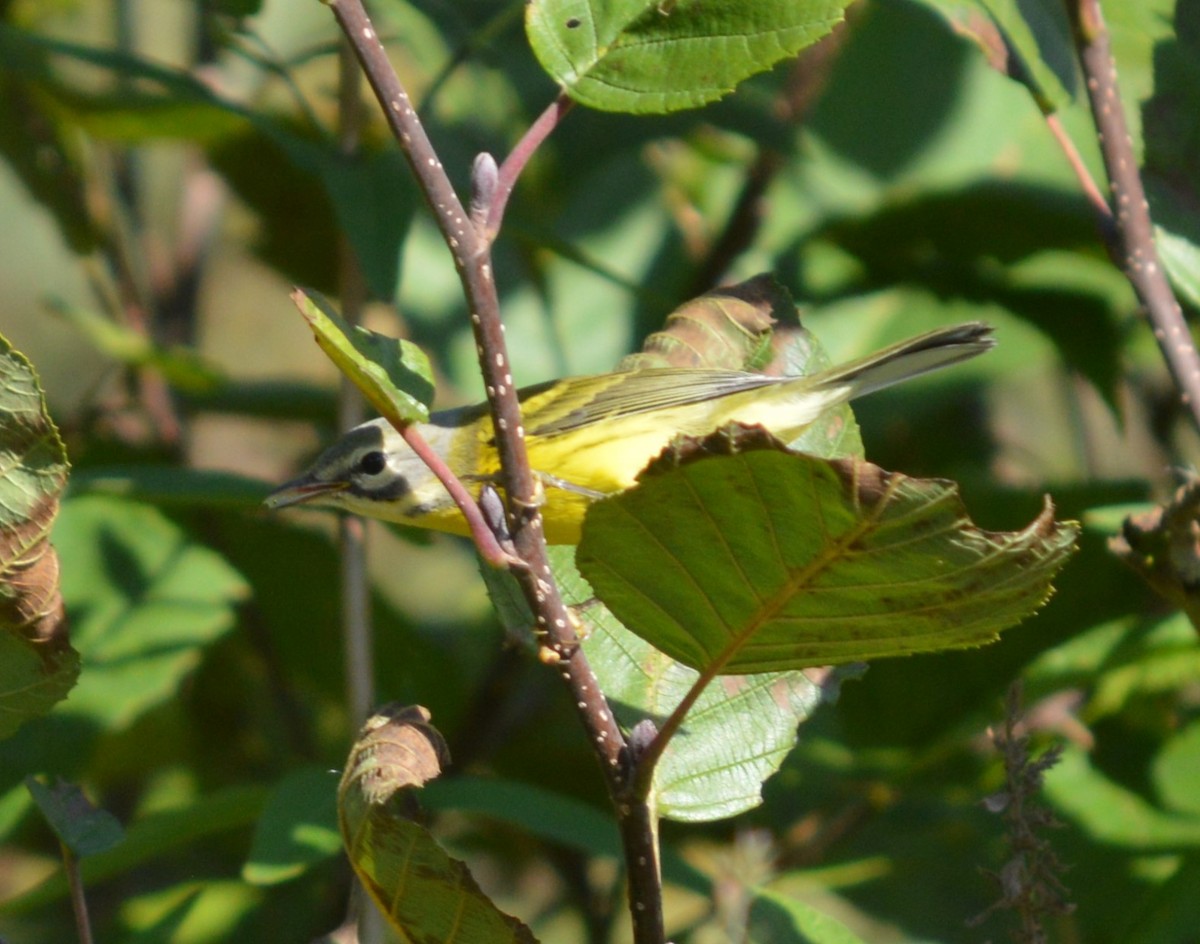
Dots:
pixel 589 437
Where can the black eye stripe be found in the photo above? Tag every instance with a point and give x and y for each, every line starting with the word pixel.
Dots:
pixel 372 463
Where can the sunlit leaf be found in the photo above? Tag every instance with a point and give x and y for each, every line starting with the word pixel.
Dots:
pixel 1112 814
pixel 393 374
pixel 776 919
pixel 298 828
pixel 735 737
pixel 1177 770
pixel 648 56
pixel 155 837
pixel 145 600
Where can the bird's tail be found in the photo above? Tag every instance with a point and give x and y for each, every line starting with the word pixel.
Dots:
pixel 930 351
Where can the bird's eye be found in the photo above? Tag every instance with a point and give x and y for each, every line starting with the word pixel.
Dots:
pixel 372 463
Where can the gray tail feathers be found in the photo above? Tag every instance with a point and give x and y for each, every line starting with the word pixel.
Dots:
pixel 930 351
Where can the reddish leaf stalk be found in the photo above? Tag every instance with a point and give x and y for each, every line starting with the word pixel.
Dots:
pixel 470 249
pixel 1131 243
pixel 511 169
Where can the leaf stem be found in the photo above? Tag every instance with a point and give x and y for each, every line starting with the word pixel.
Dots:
pixel 1130 237
pixel 83 923
pixel 470 248
pixel 485 539
pixel 511 169
pixel 649 758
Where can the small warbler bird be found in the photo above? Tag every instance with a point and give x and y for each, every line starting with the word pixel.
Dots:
pixel 589 437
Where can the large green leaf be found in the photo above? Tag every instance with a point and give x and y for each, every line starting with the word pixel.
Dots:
pixel 37 664
pixel 425 894
pixel 145 600
pixel 766 560
pixel 647 56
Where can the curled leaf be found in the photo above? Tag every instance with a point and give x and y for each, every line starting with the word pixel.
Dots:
pixel 37 664
pixel 426 895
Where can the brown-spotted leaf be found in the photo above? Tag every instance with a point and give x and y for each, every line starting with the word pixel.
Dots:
pixel 734 555
pixel 37 664
pixel 426 895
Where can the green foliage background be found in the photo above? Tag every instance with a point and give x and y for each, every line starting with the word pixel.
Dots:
pixel 921 188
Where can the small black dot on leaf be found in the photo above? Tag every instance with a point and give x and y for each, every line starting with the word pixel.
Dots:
pixel 574 23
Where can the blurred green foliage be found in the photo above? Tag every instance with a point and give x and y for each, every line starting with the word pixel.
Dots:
pixel 173 174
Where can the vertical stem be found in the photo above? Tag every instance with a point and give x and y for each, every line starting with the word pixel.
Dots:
pixel 83 923
pixel 357 635
pixel 356 617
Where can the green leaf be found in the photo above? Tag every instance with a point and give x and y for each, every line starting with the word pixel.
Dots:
pixel 1029 41
pixel 156 836
pixel 767 560
pixel 298 828
pixel 394 375
pixel 79 825
pixel 183 367
pixel 1177 770
pixel 37 664
pixel 203 911
pixel 1170 912
pixel 649 56
pixel 1110 813
pixel 145 600
pixel 776 919
pixel 423 892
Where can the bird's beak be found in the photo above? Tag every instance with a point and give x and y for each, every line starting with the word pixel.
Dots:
pixel 300 490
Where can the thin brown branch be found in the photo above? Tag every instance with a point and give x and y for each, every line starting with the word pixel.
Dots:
pixel 470 249
pixel 1132 237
